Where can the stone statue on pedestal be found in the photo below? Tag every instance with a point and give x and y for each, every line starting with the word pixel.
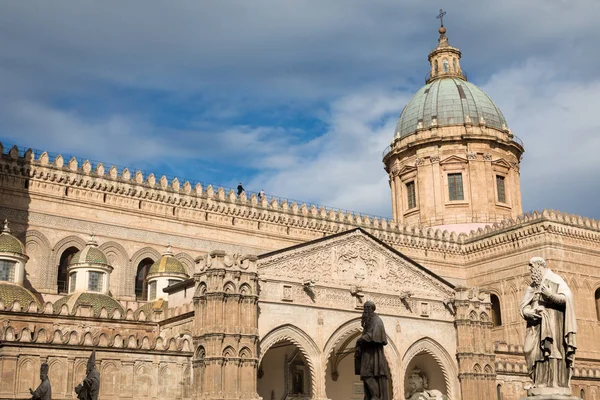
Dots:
pixel 369 359
pixel 549 310
pixel 418 383
pixel 44 390
pixel 90 387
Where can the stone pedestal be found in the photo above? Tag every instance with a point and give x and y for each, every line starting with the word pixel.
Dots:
pixel 550 393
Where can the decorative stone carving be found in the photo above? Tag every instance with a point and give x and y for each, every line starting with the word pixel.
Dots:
pixel 419 161
pixel 487 156
pixel 434 159
pixel 352 260
pixel 471 155
pixel 418 385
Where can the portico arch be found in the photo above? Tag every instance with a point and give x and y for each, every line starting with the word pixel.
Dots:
pixel 306 346
pixel 346 334
pixel 430 350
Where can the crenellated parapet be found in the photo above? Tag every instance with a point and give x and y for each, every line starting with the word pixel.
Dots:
pixel 96 184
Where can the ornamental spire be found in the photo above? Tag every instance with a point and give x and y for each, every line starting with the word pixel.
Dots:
pixel 444 59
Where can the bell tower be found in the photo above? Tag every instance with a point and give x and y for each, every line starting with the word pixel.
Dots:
pixel 453 162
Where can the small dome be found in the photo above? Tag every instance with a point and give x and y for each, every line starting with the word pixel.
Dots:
pixel 9 243
pixel 9 292
pixel 96 300
pixel 90 254
pixel 451 101
pixel 167 264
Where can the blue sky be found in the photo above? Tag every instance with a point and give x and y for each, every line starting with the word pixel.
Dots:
pixel 297 98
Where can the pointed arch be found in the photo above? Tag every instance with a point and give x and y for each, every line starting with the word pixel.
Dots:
pixel 140 264
pixel 445 362
pixel 307 347
pixel 187 261
pixel 39 250
pixel 117 257
pixel 353 327
pixel 61 254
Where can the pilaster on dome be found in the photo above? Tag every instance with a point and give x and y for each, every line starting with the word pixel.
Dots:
pixel 444 59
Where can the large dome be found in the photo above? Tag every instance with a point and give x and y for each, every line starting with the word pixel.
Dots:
pixel 450 101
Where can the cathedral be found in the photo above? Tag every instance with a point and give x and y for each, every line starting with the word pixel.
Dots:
pixel 189 291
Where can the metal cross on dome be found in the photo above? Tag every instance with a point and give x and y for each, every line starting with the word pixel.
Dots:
pixel 441 16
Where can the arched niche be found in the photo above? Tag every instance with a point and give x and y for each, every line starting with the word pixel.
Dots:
pixel 283 352
pixel 435 362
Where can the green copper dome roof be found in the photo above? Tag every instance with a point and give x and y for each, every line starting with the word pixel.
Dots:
pixel 9 292
pixel 96 300
pixel 9 243
pixel 449 101
pixel 90 254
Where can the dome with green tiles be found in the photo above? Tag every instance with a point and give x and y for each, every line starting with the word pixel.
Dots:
pixel 90 254
pixel 97 301
pixel 167 264
pixel 448 99
pixel 9 292
pixel 9 243
pixel 446 102
pixel 148 308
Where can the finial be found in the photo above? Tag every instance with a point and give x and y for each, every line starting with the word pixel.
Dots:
pixel 169 251
pixel 6 229
pixel 440 16
pixel 92 240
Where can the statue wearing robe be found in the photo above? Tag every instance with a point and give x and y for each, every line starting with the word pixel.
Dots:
pixel 549 347
pixel 370 362
pixel 90 387
pixel 44 390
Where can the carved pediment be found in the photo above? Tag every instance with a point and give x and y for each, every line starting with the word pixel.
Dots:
pixel 353 259
pixel 454 160
pixel 502 163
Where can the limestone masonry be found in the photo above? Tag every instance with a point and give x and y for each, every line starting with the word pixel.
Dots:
pixel 193 292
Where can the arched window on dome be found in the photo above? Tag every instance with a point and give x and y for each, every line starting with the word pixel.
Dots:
pixel 499 392
pixel 496 314
pixel 445 65
pixel 141 285
pixel 582 394
pixel 454 65
pixel 436 67
pixel 62 279
pixel 597 297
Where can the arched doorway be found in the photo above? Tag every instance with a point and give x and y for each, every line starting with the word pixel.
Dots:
pixel 62 280
pixel 341 382
pixel 141 285
pixel 284 373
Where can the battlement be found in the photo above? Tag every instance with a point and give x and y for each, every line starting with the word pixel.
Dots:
pixel 133 190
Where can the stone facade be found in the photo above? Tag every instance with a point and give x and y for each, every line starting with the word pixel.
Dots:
pixel 273 308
